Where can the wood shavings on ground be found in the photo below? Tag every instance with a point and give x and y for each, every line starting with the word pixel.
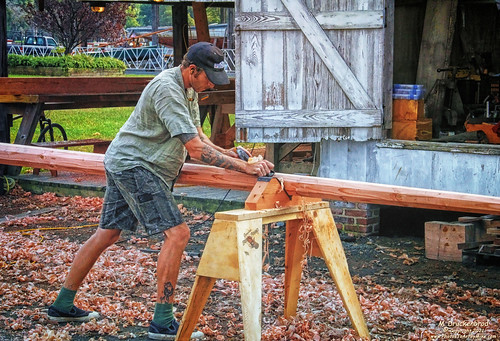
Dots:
pixel 425 301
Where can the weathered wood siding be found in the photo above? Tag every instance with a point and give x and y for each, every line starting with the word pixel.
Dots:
pixel 309 70
pixel 457 167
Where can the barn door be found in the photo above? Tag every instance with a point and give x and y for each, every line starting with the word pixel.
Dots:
pixel 309 69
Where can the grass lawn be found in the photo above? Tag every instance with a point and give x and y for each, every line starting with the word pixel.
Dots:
pixel 99 123
pixel 102 123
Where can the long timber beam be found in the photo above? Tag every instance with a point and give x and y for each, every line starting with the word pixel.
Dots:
pixel 307 186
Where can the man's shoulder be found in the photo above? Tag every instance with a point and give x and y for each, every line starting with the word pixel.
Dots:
pixel 169 78
pixel 171 73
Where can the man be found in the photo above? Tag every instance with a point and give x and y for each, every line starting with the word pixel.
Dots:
pixel 141 165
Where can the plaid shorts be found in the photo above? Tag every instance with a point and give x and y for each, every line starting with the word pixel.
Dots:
pixel 138 196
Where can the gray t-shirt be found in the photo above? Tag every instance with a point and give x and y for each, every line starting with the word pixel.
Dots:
pixel 148 138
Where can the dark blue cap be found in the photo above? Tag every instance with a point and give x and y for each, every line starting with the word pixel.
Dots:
pixel 211 59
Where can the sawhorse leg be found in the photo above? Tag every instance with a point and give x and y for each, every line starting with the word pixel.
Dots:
pixel 234 252
pixel 326 244
pixel 328 240
pixel 197 300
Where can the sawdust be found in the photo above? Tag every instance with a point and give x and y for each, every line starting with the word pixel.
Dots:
pixel 403 295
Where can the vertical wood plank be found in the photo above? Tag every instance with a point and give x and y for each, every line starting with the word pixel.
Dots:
pixel 294 254
pixel 272 74
pixel 437 36
pixel 273 6
pixel 250 5
pixel 3 39
pixel 388 57
pixel 249 240
pixel 201 21
pixel 294 70
pixel 251 70
pixel 179 31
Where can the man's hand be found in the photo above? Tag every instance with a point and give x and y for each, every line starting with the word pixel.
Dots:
pixel 261 168
pixel 209 155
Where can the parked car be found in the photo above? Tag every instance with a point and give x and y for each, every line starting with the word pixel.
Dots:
pixel 39 45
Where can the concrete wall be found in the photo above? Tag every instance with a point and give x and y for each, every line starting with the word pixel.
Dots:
pixel 458 167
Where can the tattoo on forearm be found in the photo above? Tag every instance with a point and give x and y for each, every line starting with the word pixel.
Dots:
pixel 215 158
pixel 168 291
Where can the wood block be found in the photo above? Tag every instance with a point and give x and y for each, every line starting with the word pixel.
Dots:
pixel 442 239
pixel 407 110
pixel 412 130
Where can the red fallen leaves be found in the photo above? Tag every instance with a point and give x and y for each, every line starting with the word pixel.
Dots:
pixel 121 288
pixel 112 290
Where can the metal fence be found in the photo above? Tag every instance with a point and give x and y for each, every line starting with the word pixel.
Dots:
pixel 30 50
pixel 139 58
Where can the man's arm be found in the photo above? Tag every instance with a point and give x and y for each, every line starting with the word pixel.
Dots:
pixel 205 139
pixel 206 153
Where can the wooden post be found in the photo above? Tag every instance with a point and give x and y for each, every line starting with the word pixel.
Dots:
pixel 180 31
pixel 155 20
pixel 201 21
pixel 3 38
pixel 4 113
pixel 294 254
pixel 328 240
pixel 437 36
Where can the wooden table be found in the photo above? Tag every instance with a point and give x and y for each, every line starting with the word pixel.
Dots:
pixel 29 97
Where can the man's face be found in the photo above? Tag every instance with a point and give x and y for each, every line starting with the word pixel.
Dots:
pixel 199 81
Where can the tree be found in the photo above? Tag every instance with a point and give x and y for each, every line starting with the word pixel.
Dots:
pixel 16 18
pixel 73 22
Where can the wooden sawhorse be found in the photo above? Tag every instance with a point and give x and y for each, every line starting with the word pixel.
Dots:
pixel 234 252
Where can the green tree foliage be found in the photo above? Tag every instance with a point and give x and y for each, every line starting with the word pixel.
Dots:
pixel 213 15
pixel 143 15
pixel 73 23
pixel 132 16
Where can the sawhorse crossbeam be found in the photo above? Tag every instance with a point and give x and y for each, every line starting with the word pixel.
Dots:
pixel 234 252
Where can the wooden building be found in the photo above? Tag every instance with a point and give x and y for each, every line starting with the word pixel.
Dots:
pixel 322 71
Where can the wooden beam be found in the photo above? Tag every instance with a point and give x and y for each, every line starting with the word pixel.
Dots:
pixel 71 85
pixel 339 20
pixel 307 186
pixel 201 21
pixel 312 118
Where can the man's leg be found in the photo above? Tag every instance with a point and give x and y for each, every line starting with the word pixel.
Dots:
pixel 88 255
pixel 169 262
pixel 164 326
pixel 63 309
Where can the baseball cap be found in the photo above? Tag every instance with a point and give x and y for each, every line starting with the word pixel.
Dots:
pixel 211 59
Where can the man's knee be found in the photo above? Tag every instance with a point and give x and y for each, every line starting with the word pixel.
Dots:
pixel 107 237
pixel 179 234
